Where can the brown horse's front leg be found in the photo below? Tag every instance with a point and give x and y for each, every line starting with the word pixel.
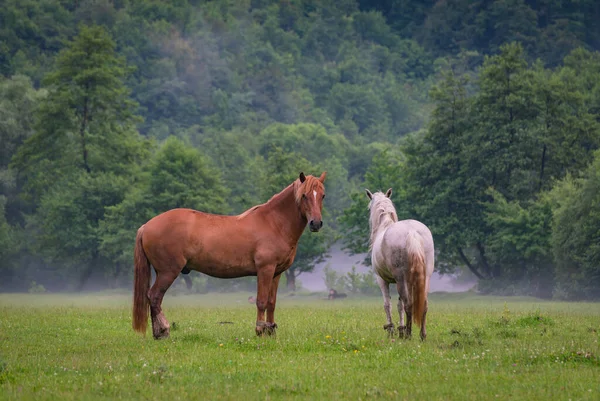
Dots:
pixel 264 279
pixel 271 325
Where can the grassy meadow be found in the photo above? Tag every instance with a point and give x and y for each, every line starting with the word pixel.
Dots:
pixel 81 347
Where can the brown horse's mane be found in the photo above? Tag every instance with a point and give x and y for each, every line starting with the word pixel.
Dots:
pixel 310 184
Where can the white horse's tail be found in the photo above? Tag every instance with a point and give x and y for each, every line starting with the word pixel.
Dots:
pixel 416 275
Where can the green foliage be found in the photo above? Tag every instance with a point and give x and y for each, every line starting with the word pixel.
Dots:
pixel 575 234
pixel 177 176
pixel 310 141
pixel 18 102
pixel 360 283
pixel 353 282
pixel 373 92
pixel 477 174
pixel 31 34
pixel 79 205
pixel 232 155
pixel 86 121
pixel 549 29
pixel 381 175
pixel 520 242
pixel 332 278
pixel 9 245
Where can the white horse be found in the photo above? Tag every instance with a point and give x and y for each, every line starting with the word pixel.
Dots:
pixel 401 252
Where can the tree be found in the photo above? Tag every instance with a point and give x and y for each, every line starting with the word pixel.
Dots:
pixel 18 101
pixel 86 121
pixel 176 176
pixel 477 175
pixel 310 141
pixel 82 154
pixel 9 248
pixel 441 185
pixel 520 243
pixel 381 175
pixel 232 153
pixel 68 221
pixel 576 234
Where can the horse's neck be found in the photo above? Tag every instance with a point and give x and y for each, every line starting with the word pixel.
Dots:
pixel 383 225
pixel 284 210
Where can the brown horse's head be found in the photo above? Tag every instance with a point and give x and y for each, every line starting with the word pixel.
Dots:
pixel 309 195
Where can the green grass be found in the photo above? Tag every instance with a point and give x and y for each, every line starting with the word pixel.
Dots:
pixel 82 347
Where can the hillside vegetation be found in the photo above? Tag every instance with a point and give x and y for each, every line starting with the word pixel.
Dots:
pixel 483 116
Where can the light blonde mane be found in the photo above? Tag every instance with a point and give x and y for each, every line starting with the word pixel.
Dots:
pixel 382 215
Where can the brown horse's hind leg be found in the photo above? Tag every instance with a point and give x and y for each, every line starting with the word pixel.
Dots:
pixel 160 325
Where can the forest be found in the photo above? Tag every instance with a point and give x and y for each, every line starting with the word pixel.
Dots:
pixel 483 116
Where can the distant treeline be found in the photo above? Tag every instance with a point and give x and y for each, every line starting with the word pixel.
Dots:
pixel 483 116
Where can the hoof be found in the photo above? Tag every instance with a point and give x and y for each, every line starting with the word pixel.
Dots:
pixel 270 329
pixel 160 327
pixel 402 333
pixel 389 328
pixel 265 328
pixel 161 334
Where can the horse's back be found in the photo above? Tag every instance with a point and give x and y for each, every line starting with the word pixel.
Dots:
pixel 196 239
pixel 395 240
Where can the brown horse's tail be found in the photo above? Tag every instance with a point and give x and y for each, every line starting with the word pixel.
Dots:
pixel 141 284
pixel 416 275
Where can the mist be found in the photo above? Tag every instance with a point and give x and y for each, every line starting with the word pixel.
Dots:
pixel 342 263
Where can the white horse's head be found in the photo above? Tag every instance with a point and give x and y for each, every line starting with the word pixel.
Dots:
pixel 382 211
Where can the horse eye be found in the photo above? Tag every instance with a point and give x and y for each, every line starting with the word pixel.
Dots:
pixel 323 196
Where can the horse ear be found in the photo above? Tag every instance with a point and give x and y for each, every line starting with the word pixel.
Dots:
pixel 369 194
pixel 389 193
pixel 302 177
pixel 322 177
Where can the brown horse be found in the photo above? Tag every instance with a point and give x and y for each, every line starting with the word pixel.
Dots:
pixel 260 242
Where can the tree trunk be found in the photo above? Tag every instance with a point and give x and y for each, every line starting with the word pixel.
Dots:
pixel 291 280
pixel 85 276
pixel 469 265
pixel 542 168
pixel 82 128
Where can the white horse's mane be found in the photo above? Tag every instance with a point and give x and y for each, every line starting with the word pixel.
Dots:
pixel 382 215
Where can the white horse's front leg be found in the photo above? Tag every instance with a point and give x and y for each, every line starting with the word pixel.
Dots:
pixel 387 306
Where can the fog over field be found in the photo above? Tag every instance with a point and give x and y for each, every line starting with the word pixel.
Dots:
pixel 342 263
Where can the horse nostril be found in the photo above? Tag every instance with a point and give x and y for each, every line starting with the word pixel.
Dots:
pixel 315 225
pixel 321 225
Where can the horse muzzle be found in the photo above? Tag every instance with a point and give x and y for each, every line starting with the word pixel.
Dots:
pixel 315 225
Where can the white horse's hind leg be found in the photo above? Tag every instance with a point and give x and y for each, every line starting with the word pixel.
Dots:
pixel 401 312
pixel 387 306
pixel 424 318
pixel 404 305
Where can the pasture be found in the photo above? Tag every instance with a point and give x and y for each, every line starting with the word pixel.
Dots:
pixel 82 347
